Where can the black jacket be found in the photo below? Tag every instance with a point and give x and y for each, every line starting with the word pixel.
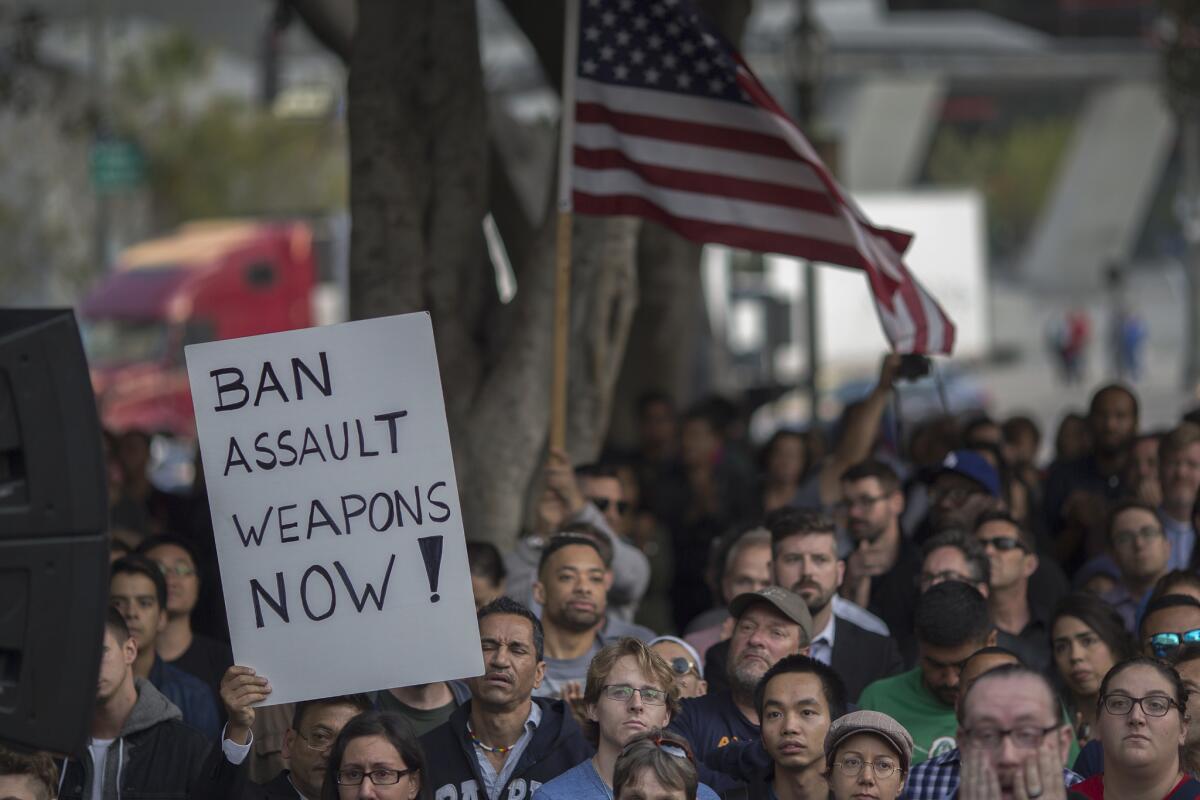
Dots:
pixel 453 770
pixel 861 657
pixel 156 756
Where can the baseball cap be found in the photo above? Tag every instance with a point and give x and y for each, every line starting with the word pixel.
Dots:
pixel 972 465
pixel 875 722
pixel 788 603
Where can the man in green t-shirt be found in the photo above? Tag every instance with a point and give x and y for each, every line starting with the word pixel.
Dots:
pixel 951 623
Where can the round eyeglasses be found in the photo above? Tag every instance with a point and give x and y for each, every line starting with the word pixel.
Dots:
pixel 852 767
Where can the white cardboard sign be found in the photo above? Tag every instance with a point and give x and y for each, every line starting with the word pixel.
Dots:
pixel 335 507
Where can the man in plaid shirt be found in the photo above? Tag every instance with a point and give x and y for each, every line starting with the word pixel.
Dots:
pixel 1008 716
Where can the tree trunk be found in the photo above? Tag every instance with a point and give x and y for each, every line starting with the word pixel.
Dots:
pixel 420 187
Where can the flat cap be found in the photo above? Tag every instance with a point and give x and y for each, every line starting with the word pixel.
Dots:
pixel 875 722
pixel 790 604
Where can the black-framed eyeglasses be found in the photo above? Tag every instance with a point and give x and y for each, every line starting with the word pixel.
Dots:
pixel 320 741
pixel 852 766
pixel 857 502
pixel 622 693
pixel 603 503
pixel 1146 534
pixel 682 666
pixel 1004 544
pixel 1027 736
pixel 1155 705
pixel 179 570
pixel 379 777
pixel 1164 645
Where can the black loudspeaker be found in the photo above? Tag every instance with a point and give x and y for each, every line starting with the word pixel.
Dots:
pixel 53 533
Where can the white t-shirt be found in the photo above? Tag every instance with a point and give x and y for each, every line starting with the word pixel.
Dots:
pixel 99 751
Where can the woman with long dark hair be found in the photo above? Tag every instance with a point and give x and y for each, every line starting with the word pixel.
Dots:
pixel 1087 638
pixel 375 756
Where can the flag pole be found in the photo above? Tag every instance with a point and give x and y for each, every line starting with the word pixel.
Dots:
pixel 562 255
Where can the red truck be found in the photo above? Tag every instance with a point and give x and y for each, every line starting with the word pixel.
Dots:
pixel 203 282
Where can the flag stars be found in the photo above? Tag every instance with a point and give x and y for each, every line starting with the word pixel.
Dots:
pixel 623 38
pixel 626 5
pixel 673 30
pixel 608 18
pixel 589 67
pixel 591 33
pixel 658 10
pixel 716 85
pixel 655 41
pixel 684 80
pixel 652 75
pixel 621 72
pixel 640 22
pixel 669 61
pixel 702 67
pixel 607 53
pixel 687 47
pixel 637 57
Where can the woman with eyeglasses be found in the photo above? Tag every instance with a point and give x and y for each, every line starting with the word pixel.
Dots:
pixel 867 754
pixel 655 766
pixel 375 756
pixel 1087 638
pixel 1142 720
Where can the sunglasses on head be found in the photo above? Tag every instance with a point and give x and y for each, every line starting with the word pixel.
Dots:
pixel 603 503
pixel 672 747
pixel 1163 645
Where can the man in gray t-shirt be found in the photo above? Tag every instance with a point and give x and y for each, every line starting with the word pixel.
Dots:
pixel 573 579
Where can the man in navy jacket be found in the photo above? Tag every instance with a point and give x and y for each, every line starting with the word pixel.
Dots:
pixel 503 743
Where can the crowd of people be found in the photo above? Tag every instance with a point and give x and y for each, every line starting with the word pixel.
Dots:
pixel 947 616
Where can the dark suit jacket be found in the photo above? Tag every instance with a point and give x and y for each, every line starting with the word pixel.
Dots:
pixel 278 788
pixel 861 657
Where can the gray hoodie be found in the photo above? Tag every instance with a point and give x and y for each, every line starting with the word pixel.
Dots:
pixel 167 759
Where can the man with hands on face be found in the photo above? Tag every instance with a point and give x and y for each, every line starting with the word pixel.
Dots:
pixel 1014 741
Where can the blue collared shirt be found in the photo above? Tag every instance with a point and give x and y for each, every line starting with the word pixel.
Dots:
pixel 938 778
pixel 494 782
pixel 1181 537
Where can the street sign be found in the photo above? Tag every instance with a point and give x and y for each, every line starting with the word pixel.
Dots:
pixel 116 164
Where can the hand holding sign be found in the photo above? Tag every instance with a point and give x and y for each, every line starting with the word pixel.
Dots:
pixel 332 490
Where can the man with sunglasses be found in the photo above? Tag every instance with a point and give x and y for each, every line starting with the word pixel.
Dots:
pixel 1013 561
pixel 684 662
pixel 1169 623
pixel 630 691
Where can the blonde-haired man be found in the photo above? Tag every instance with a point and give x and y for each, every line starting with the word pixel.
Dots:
pixel 630 690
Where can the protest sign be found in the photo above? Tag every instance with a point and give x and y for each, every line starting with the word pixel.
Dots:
pixel 335 507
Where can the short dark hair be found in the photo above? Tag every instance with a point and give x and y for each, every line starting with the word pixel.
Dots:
pixel 506 605
pixel 1172 580
pixel 358 701
pixel 952 614
pixel 1165 602
pixel 140 565
pixel 1108 388
pixel 1102 618
pixel 599 469
pixel 654 397
pixel 1023 535
pixel 789 521
pixel 1020 425
pixel 975 424
pixel 1123 506
pixel 164 539
pixel 560 540
pixel 486 562
pixel 1017 670
pixel 39 767
pixel 1159 666
pixel 391 726
pixel 831 683
pixel 889 481
pixel 116 625
pixel 972 550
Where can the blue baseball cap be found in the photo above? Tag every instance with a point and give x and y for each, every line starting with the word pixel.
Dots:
pixel 972 465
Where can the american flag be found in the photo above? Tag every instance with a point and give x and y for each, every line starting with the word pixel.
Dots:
pixel 671 125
